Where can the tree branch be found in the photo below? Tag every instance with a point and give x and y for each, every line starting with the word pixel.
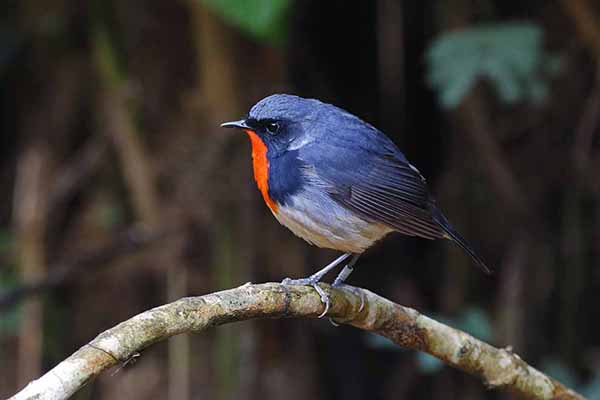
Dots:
pixel 498 368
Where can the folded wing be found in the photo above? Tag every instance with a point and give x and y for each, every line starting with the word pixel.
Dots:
pixel 374 179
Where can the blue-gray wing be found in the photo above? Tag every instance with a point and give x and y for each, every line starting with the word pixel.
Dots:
pixel 373 178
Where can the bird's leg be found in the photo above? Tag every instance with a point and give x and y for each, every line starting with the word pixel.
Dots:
pixel 314 279
pixel 343 275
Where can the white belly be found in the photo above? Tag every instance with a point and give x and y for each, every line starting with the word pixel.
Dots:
pixel 316 218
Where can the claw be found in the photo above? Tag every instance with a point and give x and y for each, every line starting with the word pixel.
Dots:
pixel 324 298
pixel 310 281
pixel 354 291
pixel 314 279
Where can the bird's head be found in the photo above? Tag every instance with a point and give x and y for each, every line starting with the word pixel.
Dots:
pixel 282 122
pixel 278 126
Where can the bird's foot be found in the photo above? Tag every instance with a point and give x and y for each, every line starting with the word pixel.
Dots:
pixel 314 282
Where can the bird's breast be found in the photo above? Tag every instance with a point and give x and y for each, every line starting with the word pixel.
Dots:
pixel 301 203
pixel 260 165
pixel 312 215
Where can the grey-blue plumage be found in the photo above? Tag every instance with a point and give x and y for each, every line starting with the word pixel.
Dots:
pixel 337 181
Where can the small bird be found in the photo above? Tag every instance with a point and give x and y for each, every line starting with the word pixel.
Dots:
pixel 337 182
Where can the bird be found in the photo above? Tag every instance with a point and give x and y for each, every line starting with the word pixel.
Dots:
pixel 338 182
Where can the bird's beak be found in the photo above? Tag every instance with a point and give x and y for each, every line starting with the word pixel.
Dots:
pixel 241 124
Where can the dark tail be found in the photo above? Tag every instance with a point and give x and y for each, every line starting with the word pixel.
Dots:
pixel 458 239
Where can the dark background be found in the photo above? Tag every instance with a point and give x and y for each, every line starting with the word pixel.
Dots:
pixel 119 192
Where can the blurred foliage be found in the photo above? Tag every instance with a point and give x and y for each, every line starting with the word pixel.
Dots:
pixel 557 369
pixel 106 57
pixel 263 19
pixel 510 55
pixel 9 320
pixel 591 390
pixel 9 45
pixel 476 322
pixel 11 317
pixel 6 241
pixel 428 364
pixel 110 216
pixel 55 317
pixel 381 343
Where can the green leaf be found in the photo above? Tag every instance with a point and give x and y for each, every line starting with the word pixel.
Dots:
pixel 264 19
pixel 456 89
pixel 509 55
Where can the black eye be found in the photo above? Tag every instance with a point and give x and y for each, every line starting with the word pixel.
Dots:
pixel 272 128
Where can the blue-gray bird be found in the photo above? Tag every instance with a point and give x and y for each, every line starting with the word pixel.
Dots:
pixel 337 182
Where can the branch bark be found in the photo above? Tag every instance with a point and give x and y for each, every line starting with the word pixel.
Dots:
pixel 497 368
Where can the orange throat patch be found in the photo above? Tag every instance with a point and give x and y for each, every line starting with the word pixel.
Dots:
pixel 260 163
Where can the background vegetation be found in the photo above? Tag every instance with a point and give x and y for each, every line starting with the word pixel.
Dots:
pixel 120 192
